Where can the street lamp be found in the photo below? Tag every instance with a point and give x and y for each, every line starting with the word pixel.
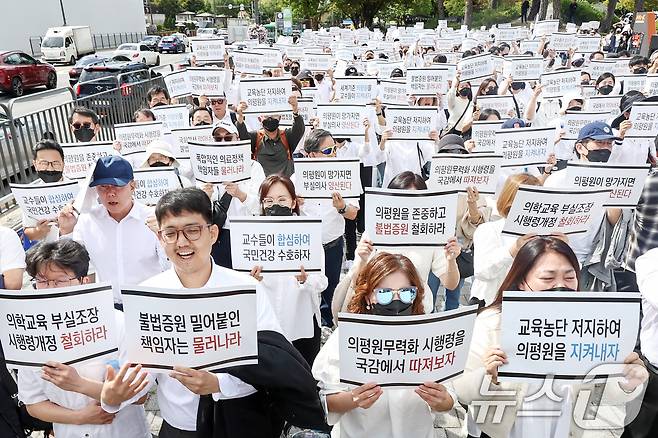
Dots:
pixel 61 5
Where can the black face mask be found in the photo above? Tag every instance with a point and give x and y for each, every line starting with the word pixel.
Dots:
pixel 574 108
pixel 598 155
pixel 492 91
pixel 49 176
pixel 278 210
pixel 394 308
pixel 159 164
pixel 294 71
pixel 640 70
pixel 158 104
pixel 286 68
pixel 202 123
pixel 518 85
pixel 271 124
pixel 585 82
pixel 466 92
pixel 606 89
pixel 560 289
pixel 84 134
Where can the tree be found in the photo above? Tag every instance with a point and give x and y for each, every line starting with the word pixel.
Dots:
pixel 557 6
pixel 468 13
pixel 543 9
pixel 609 16
pixel 169 8
pixel 193 5
pixel 440 10
pixel 534 10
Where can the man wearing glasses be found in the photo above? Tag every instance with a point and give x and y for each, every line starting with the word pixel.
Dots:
pixel 122 247
pixel 85 124
pixel 220 111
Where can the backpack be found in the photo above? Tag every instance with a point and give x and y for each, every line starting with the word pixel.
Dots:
pixel 259 141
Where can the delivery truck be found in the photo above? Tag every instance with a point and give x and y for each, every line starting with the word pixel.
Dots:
pixel 67 44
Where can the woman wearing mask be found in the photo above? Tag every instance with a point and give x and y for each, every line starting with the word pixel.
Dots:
pixel 295 298
pixel 605 84
pixel 387 285
pixel 488 87
pixel 542 264
pixel 460 106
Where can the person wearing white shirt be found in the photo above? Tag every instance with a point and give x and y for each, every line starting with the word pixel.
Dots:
pixel 122 247
pixel 220 111
pixel 68 396
pixel 159 154
pixel 334 211
pixel 12 259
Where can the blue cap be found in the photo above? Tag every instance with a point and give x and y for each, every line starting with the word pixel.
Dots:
pixel 112 171
pixel 509 123
pixel 596 131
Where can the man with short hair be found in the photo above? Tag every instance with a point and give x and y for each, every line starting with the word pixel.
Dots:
pixel 639 65
pixel 200 116
pixel 157 96
pixel 85 124
pixel 220 111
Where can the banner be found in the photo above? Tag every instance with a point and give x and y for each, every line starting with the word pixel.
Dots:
pixel 557 83
pixel 429 81
pixel 153 183
pixel 588 44
pixel 483 133
pixel 597 67
pixel 575 120
pixel 404 351
pixel 545 211
pixel 525 146
pixel 458 172
pixel 208 49
pixel 183 136
pixel 318 178
pixel 523 68
pixel 204 329
pixel 44 201
pixel 221 162
pixel 271 57
pixel 79 157
pixel 393 92
pixel 651 85
pixel 248 62
pixel 502 104
pixel 412 123
pixel 603 104
pixel 71 325
pixel 562 42
pixel 306 109
pixel 206 81
pixel 267 95
pixel 172 116
pixel 395 218
pixel 178 84
pixel 317 62
pixel 644 117
pixel 278 245
pixel 545 27
pixel 384 69
pixel 529 46
pixel 356 89
pixel 341 119
pixel 474 67
pixel 567 334
pixel 625 181
pixel 134 137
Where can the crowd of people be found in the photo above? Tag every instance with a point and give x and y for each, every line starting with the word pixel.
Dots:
pixel 184 242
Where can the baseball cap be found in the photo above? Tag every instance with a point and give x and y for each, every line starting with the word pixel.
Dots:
pixel 229 127
pixel 596 131
pixel 113 171
pixel 509 123
pixel 159 147
pixel 451 142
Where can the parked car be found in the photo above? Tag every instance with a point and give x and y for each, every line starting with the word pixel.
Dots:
pixel 171 44
pixel 151 41
pixel 182 37
pixel 85 61
pixel 138 52
pixel 19 71
pixel 109 74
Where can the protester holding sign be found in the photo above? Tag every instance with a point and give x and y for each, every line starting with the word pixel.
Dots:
pixel 541 264
pixel 69 396
pixel 85 124
pixel 388 285
pixel 12 260
pixel 460 106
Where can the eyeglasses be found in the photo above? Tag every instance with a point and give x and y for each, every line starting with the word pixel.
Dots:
pixel 281 200
pixel 57 165
pixel 406 294
pixel 78 126
pixel 41 283
pixel 227 137
pixel 328 150
pixel 217 101
pixel 191 233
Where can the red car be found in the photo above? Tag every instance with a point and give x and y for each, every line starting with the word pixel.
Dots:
pixel 19 71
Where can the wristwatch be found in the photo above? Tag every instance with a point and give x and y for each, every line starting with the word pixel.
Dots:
pixel 342 210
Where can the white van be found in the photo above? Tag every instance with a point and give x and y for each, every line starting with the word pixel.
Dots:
pixel 67 44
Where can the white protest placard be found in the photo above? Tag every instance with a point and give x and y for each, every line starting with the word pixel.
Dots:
pixel 428 81
pixel 341 119
pixel 206 81
pixel 458 171
pixel 562 42
pixel 545 27
pixel 317 61
pixel 502 104
pixel 411 123
pixel 393 92
pixel 134 137
pixel 651 85
pixel 208 49
pixel 588 44
pixel 399 218
pixel 172 116
pixel 71 325
pixel 356 89
pixel 266 95
pixel 525 146
pixel 44 201
pixel 384 69
pixel 603 104
pixel 153 183
pixel 248 62
pixel 318 178
pixel 183 136
pixel 529 46
pixel 404 351
pixel 567 335
pixel 625 182
pixel 294 52
pixel 444 45
pixel 575 120
pixel 636 149
pixel 597 67
pixel 545 211
pixel 483 133
pixel 271 56
pixel 478 66
pixel 278 245
pixel 79 157
pixel 306 109
pixel 204 329
pixel 221 162
pixel 178 84
pixel 633 82
pixel 557 83
pixel 523 68
pixel 644 117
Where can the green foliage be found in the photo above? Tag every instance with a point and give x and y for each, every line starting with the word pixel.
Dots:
pixel 269 8
pixel 170 8
pixel 624 6
pixel 584 12
pixel 489 17
pixel 193 5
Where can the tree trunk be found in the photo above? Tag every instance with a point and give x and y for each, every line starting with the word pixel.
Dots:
pixel 534 10
pixel 609 15
pixel 440 10
pixel 493 4
pixel 468 13
pixel 639 7
pixel 557 6
pixel 543 8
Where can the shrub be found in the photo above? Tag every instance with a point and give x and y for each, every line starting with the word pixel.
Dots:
pixel 584 12
pixel 489 17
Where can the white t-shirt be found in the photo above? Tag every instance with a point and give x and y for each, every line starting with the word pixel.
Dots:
pixel 12 255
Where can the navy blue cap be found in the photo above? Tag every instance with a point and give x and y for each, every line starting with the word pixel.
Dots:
pixel 509 123
pixel 596 131
pixel 113 171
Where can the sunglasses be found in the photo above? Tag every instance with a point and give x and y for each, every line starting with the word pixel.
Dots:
pixel 328 151
pixel 227 137
pixel 217 101
pixel 77 126
pixel 385 294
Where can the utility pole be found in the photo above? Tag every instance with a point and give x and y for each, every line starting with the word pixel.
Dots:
pixel 61 5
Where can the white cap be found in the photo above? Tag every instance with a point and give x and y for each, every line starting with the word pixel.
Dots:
pixel 230 127
pixel 159 147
